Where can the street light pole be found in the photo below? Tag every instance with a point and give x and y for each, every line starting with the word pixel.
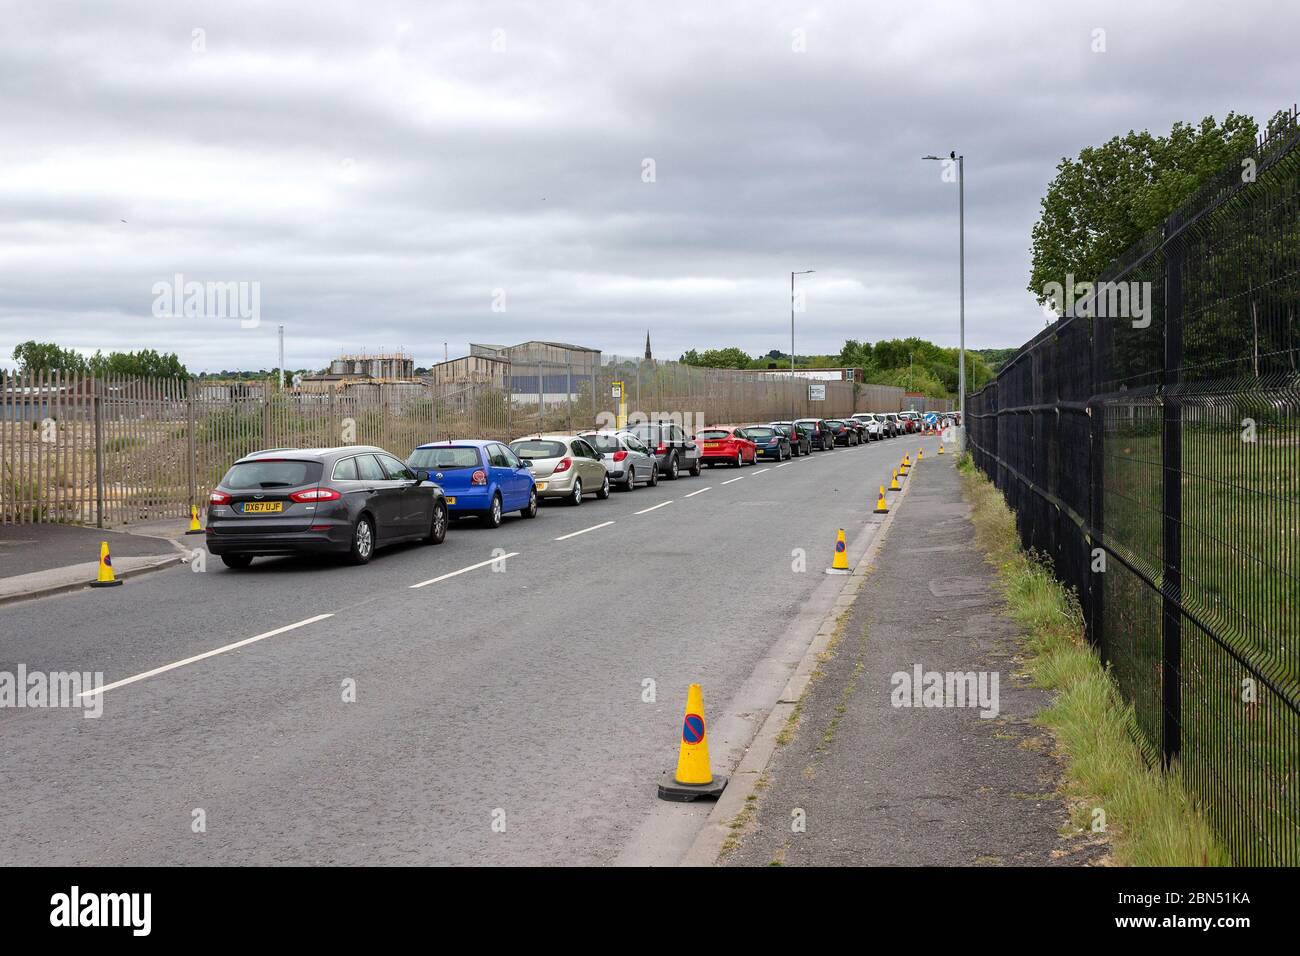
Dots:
pixel 961 286
pixel 794 431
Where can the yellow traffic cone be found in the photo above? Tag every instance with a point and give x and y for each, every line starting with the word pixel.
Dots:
pixel 106 578
pixel 693 778
pixel 907 463
pixel 920 453
pixel 894 485
pixel 881 507
pixel 194 521
pixel 941 449
pixel 840 563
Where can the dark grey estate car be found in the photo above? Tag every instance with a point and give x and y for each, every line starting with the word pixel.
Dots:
pixel 347 500
pixel 674 450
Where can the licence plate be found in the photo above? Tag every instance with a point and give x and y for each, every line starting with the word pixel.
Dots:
pixel 710 444
pixel 541 486
pixel 451 501
pixel 262 507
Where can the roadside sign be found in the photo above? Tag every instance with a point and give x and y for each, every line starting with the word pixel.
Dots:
pixel 617 390
pixel 816 392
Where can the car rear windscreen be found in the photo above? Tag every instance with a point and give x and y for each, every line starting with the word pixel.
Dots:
pixel 271 473
pixel 713 434
pixel 445 458
pixel 533 450
pixel 759 432
pixel 605 444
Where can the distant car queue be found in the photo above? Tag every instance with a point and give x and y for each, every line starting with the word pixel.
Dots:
pixel 354 499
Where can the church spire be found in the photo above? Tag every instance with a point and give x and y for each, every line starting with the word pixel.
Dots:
pixel 648 357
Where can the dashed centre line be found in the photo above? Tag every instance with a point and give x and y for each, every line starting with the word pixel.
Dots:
pixel 700 492
pixel 472 567
pixel 730 480
pixel 206 654
pixel 595 527
pixel 662 504
pixel 760 471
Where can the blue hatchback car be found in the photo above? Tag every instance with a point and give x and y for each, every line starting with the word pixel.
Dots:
pixel 481 478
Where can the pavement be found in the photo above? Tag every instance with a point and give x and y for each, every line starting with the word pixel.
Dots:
pixel 42 559
pixel 510 696
pixel 863 781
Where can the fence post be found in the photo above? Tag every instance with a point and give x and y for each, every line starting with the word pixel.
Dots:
pixel 98 399
pixel 1097 490
pixel 1172 495
pixel 192 468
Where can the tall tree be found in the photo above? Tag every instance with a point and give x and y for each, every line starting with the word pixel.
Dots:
pixel 1106 199
pixel 33 356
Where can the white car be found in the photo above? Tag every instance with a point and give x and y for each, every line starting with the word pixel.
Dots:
pixel 875 430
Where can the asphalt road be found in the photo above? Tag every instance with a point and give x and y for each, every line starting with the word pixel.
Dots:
pixel 499 715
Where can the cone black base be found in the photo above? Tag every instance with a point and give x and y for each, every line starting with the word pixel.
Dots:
pixel 670 789
pixel 199 531
pixel 104 584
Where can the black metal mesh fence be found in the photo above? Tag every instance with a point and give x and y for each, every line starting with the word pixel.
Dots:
pixel 1149 445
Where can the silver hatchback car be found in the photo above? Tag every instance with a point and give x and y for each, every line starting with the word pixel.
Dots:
pixel 627 460
pixel 564 466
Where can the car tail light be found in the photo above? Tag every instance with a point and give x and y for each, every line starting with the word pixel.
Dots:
pixel 620 455
pixel 219 498
pixel 315 494
pixel 564 465
pixel 478 478
pixel 661 449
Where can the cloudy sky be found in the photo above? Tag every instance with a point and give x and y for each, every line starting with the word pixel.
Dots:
pixel 385 173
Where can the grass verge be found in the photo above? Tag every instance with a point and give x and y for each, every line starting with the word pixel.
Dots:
pixel 1148 816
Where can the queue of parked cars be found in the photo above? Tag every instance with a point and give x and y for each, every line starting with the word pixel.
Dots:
pixel 350 501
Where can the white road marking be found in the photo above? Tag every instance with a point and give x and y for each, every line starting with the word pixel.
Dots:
pixel 729 481
pixel 206 654
pixel 662 504
pixel 565 537
pixel 700 492
pixel 782 465
pixel 760 471
pixel 472 567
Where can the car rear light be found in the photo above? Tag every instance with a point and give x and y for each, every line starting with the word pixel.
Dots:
pixel 478 478
pixel 661 449
pixel 219 498
pixel 620 455
pixel 315 494
pixel 563 465
pixel 319 527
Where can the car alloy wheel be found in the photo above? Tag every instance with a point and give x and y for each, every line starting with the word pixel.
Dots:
pixel 493 518
pixel 672 468
pixel 531 510
pixel 363 541
pixel 576 497
pixel 654 475
pixel 630 483
pixel 695 469
pixel 740 462
pixel 438 524
pixel 604 488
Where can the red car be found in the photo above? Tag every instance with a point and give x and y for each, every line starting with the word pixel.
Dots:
pixel 726 445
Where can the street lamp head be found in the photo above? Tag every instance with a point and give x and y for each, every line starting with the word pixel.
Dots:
pixel 931 157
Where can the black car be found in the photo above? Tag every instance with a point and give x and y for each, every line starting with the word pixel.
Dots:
pixel 841 432
pixel 820 433
pixel 859 428
pixel 803 446
pixel 348 500
pixel 672 447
